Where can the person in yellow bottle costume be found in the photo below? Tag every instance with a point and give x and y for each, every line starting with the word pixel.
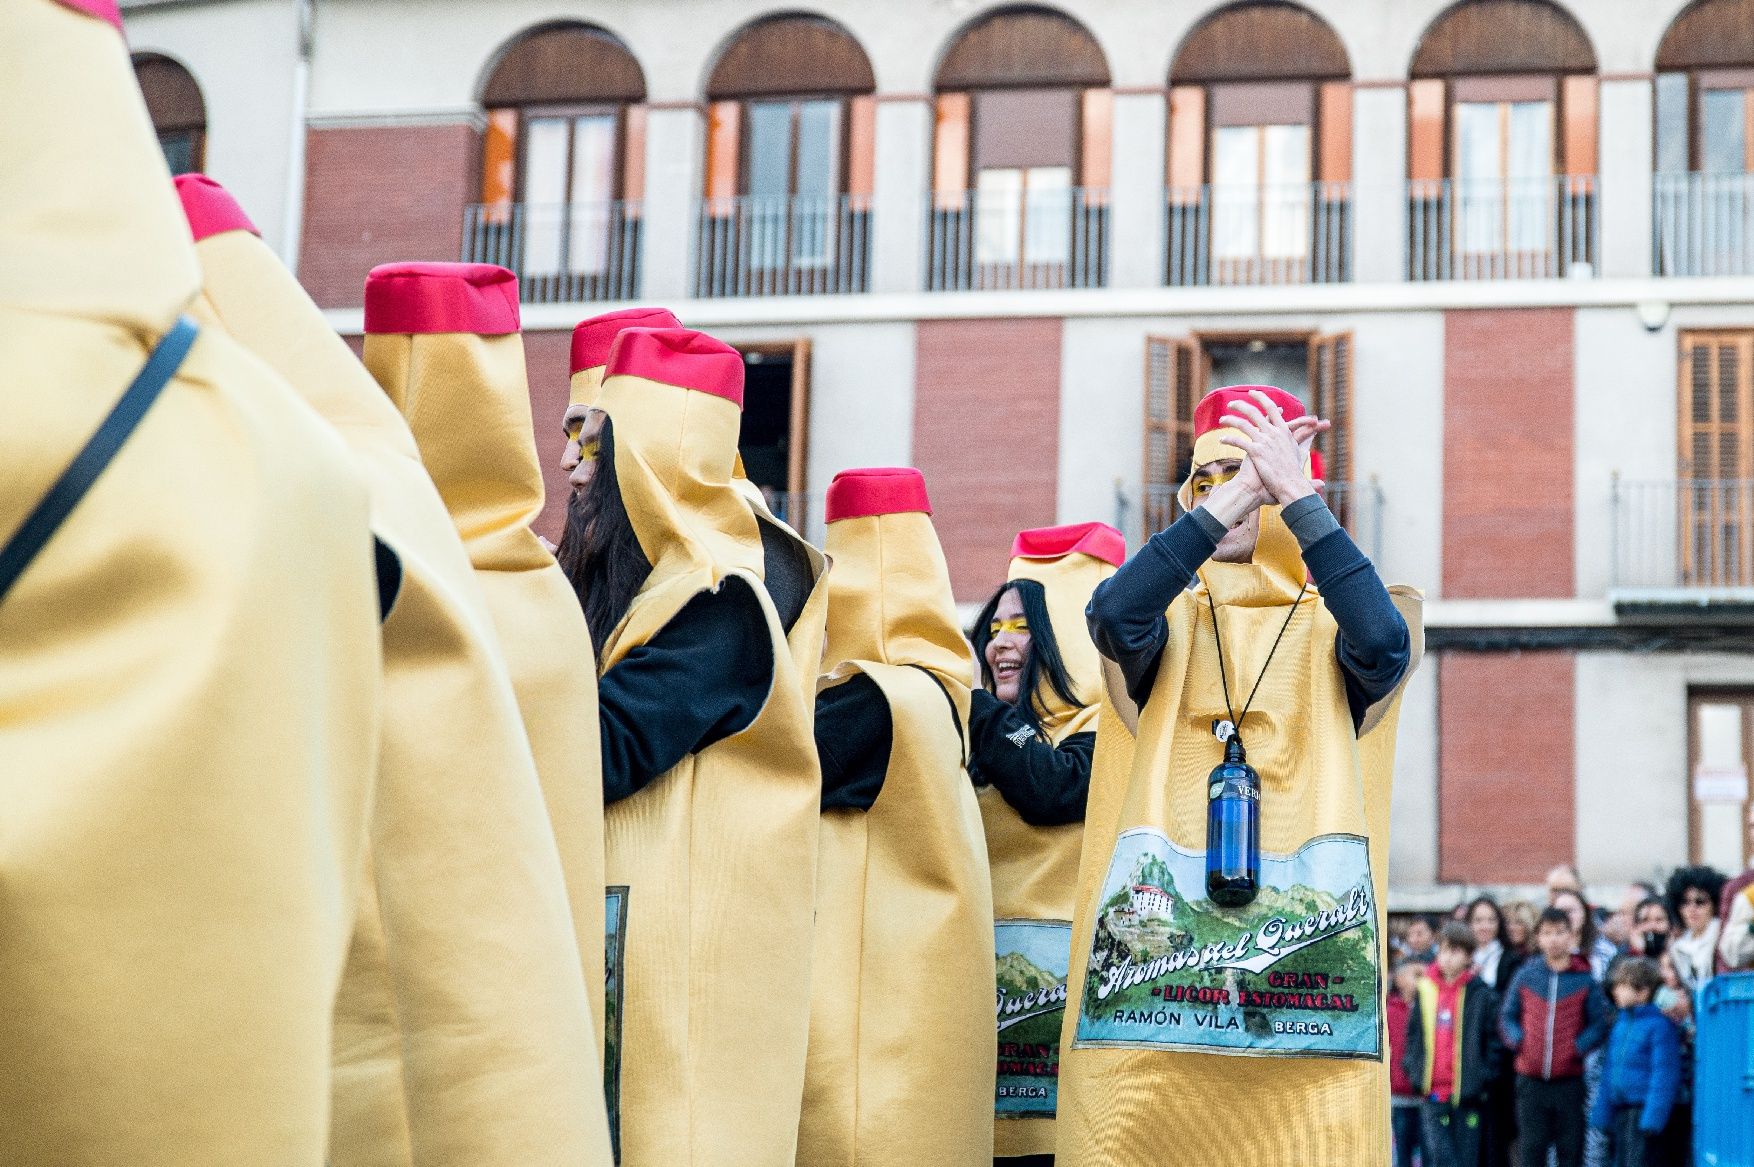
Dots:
pixel 901 1067
pixel 792 571
pixel 1032 734
pixel 1226 1002
pixel 189 663
pixel 442 339
pixel 709 769
pixel 462 1026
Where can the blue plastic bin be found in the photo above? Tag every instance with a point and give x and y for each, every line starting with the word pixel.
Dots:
pixel 1723 1073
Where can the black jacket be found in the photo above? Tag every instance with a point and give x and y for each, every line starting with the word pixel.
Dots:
pixel 1477 1041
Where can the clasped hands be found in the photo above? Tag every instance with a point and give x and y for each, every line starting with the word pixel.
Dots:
pixel 1274 454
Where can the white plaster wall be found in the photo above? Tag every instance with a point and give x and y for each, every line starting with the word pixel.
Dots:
pixel 1413 809
pixel 1632 781
pixel 1397 436
pixel 861 393
pixel 1102 404
pixel 371 62
pixel 244 56
pixel 1624 420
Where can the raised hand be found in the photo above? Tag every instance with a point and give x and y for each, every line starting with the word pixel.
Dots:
pixel 1277 450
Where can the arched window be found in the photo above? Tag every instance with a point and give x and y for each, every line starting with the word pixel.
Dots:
pixel 179 116
pixel 790 141
pixel 1260 149
pixel 1021 155
pixel 1705 141
pixel 1502 143
pixel 563 164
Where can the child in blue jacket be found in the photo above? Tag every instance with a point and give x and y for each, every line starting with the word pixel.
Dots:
pixel 1642 1073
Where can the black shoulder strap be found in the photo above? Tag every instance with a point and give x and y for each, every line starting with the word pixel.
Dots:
pixel 100 450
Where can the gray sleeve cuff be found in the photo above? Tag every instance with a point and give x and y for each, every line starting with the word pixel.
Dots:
pixel 1310 520
pixel 1209 523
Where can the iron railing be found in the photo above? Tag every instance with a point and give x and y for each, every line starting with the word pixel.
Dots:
pixel 561 253
pixel 1684 533
pixel 801 245
pixel 986 240
pixel 1502 229
pixel 1358 506
pixel 1703 224
pixel 1296 234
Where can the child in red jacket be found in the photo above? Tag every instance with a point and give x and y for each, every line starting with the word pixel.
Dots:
pixel 1453 1051
pixel 1403 1091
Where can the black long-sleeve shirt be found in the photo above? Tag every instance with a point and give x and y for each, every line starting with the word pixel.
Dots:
pixel 702 678
pixel 1047 785
pixel 854 732
pixel 1126 612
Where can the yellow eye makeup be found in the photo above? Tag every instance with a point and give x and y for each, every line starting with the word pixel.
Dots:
pixel 1016 627
pixel 589 449
pixel 1206 486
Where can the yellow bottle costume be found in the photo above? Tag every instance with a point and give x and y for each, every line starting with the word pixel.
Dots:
pixel 1166 983
pixel 188 668
pixel 717 855
pixel 901 1067
pixel 442 339
pixel 1035 868
pixel 462 1020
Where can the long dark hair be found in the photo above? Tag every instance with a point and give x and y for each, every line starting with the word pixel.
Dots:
pixel 1044 662
pixel 1503 937
pixel 599 551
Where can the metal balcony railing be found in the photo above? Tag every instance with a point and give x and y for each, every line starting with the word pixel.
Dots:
pixel 1686 533
pixel 1054 238
pixel 797 246
pixel 1297 234
pixel 1358 506
pixel 1502 229
pixel 560 253
pixel 1703 224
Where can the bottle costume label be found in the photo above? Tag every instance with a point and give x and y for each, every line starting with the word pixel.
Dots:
pixel 1295 973
pixel 1033 958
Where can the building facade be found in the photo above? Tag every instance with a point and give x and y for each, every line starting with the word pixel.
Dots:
pixel 1508 245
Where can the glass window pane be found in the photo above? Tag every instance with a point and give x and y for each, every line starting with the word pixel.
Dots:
pixel 1530 193
pixel 818 181
pixel 179 151
pixel 1479 189
pixel 593 186
pixel 998 212
pixel 1285 198
pixel 544 193
pixel 1047 214
pixel 1722 144
pixel 769 154
pixel 1236 170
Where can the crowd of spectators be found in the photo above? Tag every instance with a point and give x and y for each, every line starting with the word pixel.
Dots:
pixel 1559 1034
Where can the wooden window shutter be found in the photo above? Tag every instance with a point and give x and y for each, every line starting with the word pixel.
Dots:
pixel 1096 155
pixel 633 158
pixel 1334 115
pixel 1578 100
pixel 950 151
pixel 1716 457
pixel 499 154
pixel 1187 142
pixel 861 150
pixel 1173 384
pixel 1425 130
pixel 724 121
pixel 1330 381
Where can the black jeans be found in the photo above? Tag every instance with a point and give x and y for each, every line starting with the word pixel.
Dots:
pixel 1452 1134
pixel 1405 1123
pixel 1627 1145
pixel 1550 1114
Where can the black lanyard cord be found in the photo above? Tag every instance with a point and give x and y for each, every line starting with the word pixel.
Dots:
pixel 1223 677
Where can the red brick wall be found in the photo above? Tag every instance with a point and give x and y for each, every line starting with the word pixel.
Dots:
pixel 547 355
pixel 987 437
pixel 378 195
pixel 1507 463
pixel 1506 799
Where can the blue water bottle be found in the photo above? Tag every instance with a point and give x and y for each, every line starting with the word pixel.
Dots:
pixel 1233 829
